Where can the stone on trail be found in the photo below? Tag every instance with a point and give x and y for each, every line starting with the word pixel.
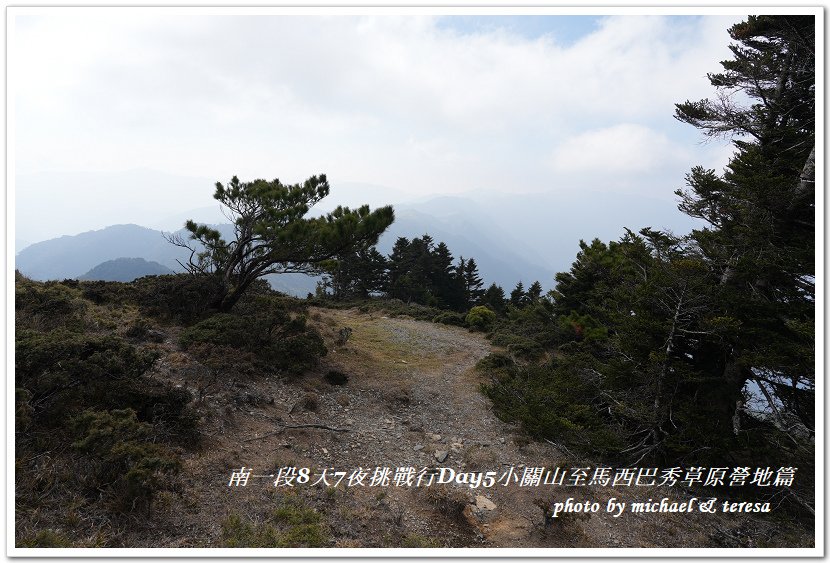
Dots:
pixel 441 455
pixel 484 503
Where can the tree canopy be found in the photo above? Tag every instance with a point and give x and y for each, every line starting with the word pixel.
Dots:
pixel 272 234
pixel 688 349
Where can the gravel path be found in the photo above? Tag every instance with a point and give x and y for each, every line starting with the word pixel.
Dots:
pixel 412 399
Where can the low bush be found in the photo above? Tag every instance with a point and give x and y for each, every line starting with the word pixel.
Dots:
pixel 553 402
pixel 480 318
pixel 122 460
pixel 182 298
pixel 520 347
pixel 66 372
pixel 47 306
pixel 276 339
pixel 397 308
pixel 451 318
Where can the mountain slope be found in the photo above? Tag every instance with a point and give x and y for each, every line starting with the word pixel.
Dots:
pixel 125 270
pixel 73 256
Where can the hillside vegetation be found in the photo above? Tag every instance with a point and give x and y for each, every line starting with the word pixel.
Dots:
pixel 132 415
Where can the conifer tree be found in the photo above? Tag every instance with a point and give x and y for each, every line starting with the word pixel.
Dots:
pixel 518 296
pixel 473 284
pixel 534 292
pixel 495 299
pixel 272 234
pixel 761 211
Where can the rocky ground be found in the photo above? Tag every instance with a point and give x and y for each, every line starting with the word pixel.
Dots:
pixel 411 399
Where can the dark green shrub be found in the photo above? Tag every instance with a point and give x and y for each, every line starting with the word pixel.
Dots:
pixel 47 306
pixel 124 462
pixel 396 308
pixel 334 377
pixel 480 318
pixel 108 292
pixel 182 298
pixel 67 372
pixel 451 318
pixel 495 361
pixel 551 402
pixel 520 347
pixel 274 338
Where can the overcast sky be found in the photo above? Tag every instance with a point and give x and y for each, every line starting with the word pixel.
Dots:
pixel 417 104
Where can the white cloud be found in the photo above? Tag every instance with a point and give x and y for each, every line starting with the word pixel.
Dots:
pixel 620 149
pixel 396 101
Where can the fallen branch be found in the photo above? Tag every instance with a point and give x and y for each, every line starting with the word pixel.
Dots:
pixel 321 426
pixel 284 426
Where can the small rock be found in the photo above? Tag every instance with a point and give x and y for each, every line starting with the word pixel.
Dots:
pixel 501 440
pixel 418 447
pixel 456 447
pixel 441 455
pixel 435 437
pixel 325 451
pixel 349 422
pixel 285 445
pixel 484 503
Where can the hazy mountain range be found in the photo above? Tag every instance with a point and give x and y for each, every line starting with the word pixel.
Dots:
pixel 512 237
pixel 90 252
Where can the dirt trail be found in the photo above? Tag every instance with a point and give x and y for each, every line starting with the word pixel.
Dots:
pixel 412 399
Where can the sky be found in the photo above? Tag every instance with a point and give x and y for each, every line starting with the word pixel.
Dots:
pixel 129 115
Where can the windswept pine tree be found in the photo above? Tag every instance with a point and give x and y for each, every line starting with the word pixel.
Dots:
pixel 759 242
pixel 272 234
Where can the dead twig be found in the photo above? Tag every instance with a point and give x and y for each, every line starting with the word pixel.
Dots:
pixel 284 426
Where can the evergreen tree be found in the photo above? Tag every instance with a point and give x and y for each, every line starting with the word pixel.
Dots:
pixel 443 281
pixel 356 274
pixel 534 292
pixel 272 234
pixel 495 299
pixel 473 285
pixel 518 297
pixel 659 339
pixel 761 211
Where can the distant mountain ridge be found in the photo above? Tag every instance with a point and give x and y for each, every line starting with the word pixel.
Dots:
pixel 498 257
pixel 74 256
pixel 125 270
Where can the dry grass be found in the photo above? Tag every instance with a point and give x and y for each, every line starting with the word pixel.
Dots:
pixel 479 458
